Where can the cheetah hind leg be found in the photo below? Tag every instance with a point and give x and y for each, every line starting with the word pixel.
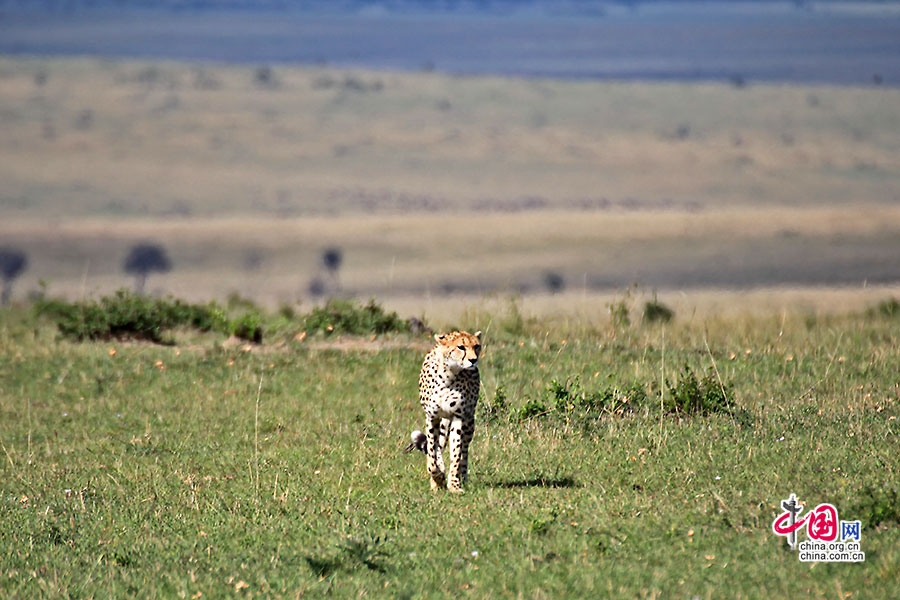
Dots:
pixel 434 461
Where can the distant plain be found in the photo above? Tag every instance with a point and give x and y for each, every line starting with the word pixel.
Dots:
pixel 438 186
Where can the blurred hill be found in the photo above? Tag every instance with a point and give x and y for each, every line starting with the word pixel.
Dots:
pixel 543 7
pixel 851 43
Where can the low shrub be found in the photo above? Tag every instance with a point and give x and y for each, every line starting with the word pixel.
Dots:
pixel 618 312
pixel 569 401
pixel 532 408
pixel 889 308
pixel 689 395
pixel 495 410
pixel 348 317
pixel 248 327
pixel 657 312
pixel 126 315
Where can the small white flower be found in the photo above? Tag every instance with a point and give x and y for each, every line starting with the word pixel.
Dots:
pixel 781 439
pixel 474 553
pixel 65 414
pixel 718 477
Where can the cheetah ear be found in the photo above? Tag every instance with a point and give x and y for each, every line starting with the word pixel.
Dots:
pixel 478 335
pixel 439 337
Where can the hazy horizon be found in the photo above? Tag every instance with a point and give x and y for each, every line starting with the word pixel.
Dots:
pixel 856 43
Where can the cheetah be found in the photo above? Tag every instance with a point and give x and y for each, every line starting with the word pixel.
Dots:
pixel 448 392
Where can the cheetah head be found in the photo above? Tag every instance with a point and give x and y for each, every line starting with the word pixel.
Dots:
pixel 460 350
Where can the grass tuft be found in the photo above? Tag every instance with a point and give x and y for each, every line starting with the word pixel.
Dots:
pixel 688 395
pixel 889 308
pixel 350 554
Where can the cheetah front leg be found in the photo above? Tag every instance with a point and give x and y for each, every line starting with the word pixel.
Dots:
pixel 442 443
pixel 433 459
pixel 461 432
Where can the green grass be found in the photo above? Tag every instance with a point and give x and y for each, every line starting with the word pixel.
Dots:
pixel 172 471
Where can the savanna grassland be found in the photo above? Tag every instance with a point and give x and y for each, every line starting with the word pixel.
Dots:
pixel 207 469
pixel 438 186
pixel 614 457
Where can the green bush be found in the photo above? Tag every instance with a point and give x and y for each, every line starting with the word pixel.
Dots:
pixel 248 327
pixel 561 397
pixel 568 401
pixel 496 409
pixel 618 312
pixel 889 308
pixel 657 312
pixel 689 395
pixel 348 317
pixel 532 408
pixel 126 315
pixel 617 400
pixel 571 398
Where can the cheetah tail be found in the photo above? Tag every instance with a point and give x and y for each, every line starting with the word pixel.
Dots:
pixel 418 442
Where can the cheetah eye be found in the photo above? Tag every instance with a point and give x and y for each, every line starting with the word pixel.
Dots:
pixel 477 349
pixel 463 348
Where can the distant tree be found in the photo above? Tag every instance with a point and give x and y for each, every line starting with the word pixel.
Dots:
pixel 144 259
pixel 554 282
pixel 265 77
pixel 12 263
pixel 253 259
pixel 316 287
pixel 332 259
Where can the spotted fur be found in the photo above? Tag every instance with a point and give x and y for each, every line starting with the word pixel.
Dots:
pixel 448 392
